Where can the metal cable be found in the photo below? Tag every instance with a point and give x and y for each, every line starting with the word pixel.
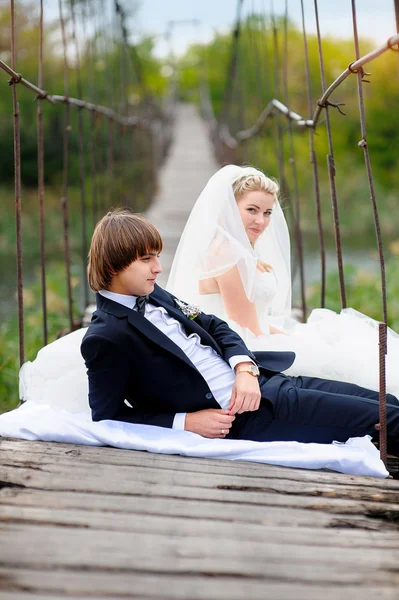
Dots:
pixel 382 328
pixel 17 187
pixel 313 161
pixel 331 169
pixel 292 160
pixel 40 172
pixel 82 165
pixel 64 199
pixel 232 70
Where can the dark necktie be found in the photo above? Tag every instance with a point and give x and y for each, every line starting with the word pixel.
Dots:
pixel 140 304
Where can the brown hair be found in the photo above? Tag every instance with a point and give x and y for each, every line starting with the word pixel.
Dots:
pixel 120 238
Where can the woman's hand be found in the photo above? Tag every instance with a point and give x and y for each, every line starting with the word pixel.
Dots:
pixel 245 395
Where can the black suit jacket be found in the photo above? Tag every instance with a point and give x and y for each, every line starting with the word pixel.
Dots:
pixel 127 357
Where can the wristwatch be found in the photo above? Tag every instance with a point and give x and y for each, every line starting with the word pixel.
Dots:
pixel 252 369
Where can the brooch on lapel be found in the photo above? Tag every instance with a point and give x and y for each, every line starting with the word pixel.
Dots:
pixel 189 310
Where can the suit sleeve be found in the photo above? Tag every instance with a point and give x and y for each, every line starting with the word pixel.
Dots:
pixel 228 340
pixel 231 344
pixel 108 371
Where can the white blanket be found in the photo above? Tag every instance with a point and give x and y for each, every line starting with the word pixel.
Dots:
pixel 31 421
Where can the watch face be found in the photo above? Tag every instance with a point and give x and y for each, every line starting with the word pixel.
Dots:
pixel 254 370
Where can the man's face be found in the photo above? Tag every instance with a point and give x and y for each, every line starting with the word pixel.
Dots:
pixel 139 277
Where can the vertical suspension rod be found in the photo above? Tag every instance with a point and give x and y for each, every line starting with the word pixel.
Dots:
pixel 40 171
pixel 313 160
pixel 82 166
pixel 331 170
pixel 383 326
pixel 298 231
pixel 17 188
pixel 64 199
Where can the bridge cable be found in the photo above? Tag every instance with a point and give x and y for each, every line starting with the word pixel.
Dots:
pixel 18 203
pixel 382 328
pixel 315 169
pixel 64 198
pixel 82 162
pixel 40 172
pixel 292 161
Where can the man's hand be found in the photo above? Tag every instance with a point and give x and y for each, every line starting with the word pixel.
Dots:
pixel 210 423
pixel 245 395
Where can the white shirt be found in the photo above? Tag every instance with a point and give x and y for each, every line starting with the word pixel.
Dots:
pixel 217 373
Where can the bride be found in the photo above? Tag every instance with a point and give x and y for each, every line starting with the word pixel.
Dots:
pixel 233 260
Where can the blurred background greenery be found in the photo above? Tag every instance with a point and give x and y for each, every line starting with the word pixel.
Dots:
pixel 255 85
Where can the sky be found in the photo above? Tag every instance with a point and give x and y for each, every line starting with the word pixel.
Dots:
pixel 376 18
pixel 198 20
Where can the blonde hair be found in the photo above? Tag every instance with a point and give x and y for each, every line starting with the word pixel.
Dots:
pixel 120 238
pixel 254 181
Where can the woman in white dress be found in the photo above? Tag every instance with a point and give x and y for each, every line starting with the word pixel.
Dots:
pixel 233 260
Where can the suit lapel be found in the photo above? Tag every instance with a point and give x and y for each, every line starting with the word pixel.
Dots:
pixel 189 325
pixel 143 325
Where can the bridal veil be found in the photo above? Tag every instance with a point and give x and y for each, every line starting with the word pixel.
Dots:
pixel 214 241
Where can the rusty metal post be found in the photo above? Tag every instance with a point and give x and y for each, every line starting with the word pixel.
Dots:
pixel 382 334
pixel 17 186
pixel 396 3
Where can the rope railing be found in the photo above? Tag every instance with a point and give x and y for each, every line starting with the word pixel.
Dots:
pixel 100 161
pixel 104 111
pixel 276 107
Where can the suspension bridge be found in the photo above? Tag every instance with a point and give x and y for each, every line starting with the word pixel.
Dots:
pixel 82 522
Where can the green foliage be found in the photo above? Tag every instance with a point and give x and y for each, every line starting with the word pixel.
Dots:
pixel 57 324
pixel 363 290
pixel 107 78
pixel 256 84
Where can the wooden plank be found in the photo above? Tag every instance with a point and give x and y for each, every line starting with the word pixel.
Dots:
pixel 243 511
pixel 278 526
pixel 23 450
pixel 163 586
pixel 152 482
pixel 40 547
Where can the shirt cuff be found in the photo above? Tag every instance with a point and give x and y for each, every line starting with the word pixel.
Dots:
pixel 179 421
pixel 234 360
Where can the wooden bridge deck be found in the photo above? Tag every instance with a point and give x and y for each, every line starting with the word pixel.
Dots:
pixel 86 522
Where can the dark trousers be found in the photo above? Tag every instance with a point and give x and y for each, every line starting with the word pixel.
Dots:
pixel 308 409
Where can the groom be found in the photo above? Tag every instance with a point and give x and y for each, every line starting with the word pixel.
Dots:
pixel 156 360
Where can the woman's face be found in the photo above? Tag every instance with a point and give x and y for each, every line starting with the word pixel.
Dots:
pixel 255 210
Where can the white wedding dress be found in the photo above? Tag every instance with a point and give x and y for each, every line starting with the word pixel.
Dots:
pixel 340 346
